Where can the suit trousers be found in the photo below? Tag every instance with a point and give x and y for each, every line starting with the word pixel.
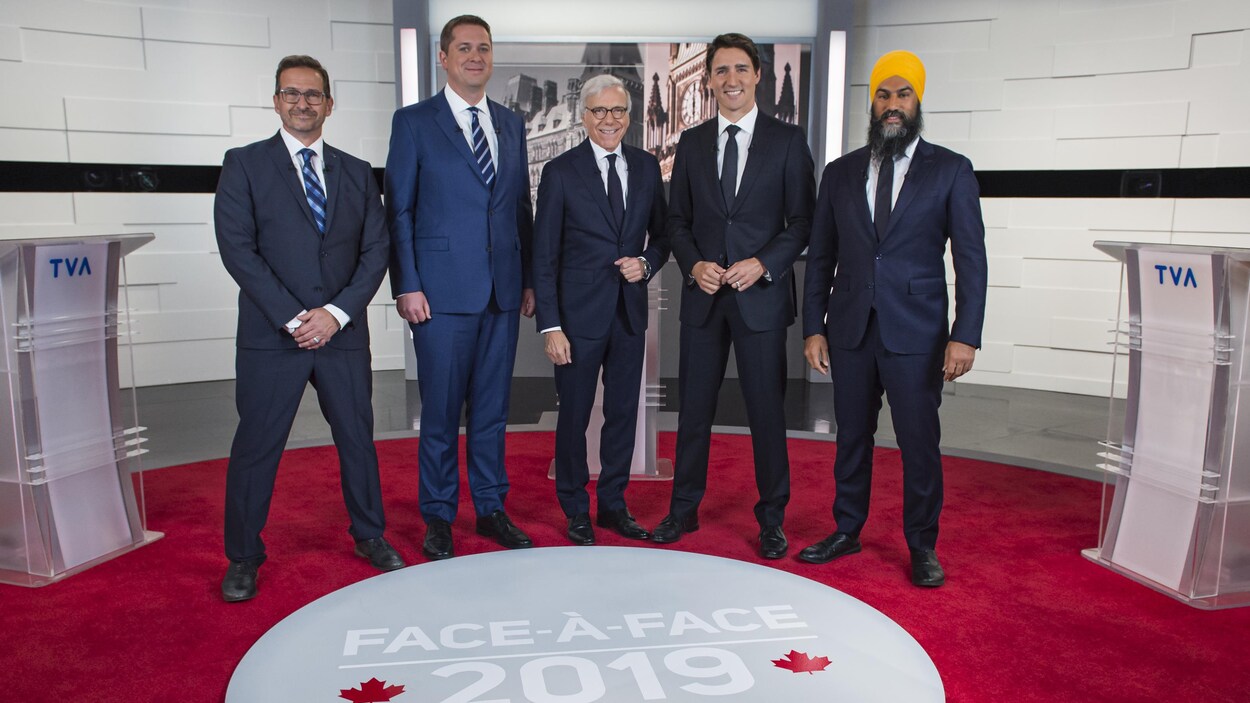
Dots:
pixel 619 354
pixel 913 385
pixel 761 358
pixel 464 361
pixel 268 389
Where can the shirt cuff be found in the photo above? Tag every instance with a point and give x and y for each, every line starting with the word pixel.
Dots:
pixel 294 323
pixel 551 329
pixel 338 314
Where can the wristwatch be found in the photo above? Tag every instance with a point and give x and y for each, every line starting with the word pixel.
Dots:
pixel 646 268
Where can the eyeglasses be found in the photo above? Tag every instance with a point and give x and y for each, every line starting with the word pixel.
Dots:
pixel 292 96
pixel 602 112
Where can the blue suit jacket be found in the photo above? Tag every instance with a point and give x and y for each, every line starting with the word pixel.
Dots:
pixel 770 218
pixel 452 236
pixel 576 239
pixel 272 248
pixel 904 275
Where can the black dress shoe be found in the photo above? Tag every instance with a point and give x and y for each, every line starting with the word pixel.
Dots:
pixel 773 544
pixel 380 554
pixel 240 581
pixel 624 524
pixel 925 569
pixel 838 544
pixel 671 528
pixel 499 526
pixel 580 531
pixel 437 544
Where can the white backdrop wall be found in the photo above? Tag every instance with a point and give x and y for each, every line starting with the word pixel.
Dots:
pixel 1014 84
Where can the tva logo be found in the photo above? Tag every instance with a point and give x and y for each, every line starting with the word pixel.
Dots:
pixel 1181 276
pixel 73 267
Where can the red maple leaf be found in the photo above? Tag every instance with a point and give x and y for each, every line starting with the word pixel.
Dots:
pixel 371 691
pixel 799 662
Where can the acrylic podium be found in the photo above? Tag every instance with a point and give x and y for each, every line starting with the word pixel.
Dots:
pixel 1176 499
pixel 69 453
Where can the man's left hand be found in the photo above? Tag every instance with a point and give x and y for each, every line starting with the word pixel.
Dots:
pixel 528 305
pixel 317 327
pixel 631 268
pixel 743 274
pixel 958 360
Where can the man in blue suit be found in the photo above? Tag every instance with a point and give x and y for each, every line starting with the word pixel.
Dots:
pixel 458 203
pixel 597 203
pixel 875 295
pixel 301 229
pixel 740 211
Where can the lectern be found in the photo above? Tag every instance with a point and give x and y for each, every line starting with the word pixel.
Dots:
pixel 68 499
pixel 1176 499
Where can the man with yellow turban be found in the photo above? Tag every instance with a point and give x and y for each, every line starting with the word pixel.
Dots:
pixel 875 306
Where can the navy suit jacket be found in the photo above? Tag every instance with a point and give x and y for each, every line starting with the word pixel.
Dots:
pixel 271 246
pixel 576 239
pixel 770 218
pixel 904 275
pixel 453 237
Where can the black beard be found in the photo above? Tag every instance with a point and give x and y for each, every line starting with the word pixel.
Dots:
pixel 894 145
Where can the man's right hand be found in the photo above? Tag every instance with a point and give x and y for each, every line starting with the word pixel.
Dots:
pixel 708 275
pixel 816 349
pixel 413 307
pixel 558 348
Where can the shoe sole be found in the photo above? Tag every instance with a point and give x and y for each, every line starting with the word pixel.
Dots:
pixel 858 548
pixel 776 555
pixel 492 535
pixel 383 569
pixel 436 556
pixel 237 599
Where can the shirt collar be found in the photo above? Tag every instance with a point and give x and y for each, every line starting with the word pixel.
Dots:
pixel 746 122
pixel 601 153
pixel 459 104
pixel 293 145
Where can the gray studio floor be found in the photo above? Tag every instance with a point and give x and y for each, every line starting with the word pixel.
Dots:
pixel 1034 429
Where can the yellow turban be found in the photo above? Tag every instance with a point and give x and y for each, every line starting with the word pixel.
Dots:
pixel 903 64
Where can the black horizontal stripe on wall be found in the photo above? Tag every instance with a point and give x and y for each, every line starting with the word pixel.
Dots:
pixel 50 177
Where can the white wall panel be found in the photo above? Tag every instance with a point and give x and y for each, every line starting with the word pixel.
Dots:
pixel 1218 49
pixel 40 46
pixel 145 116
pixel 1128 56
pixel 358 36
pixel 33 145
pixel 140 209
pixel 1200 151
pixel 1013 124
pixel 934 38
pixel 1019 62
pixel 111 147
pixel 1212 215
pixel 10 43
pixel 73 16
pixel 376 11
pixel 1125 120
pixel 1234 149
pixel 36 208
pixel 1129 152
pixel 194 26
pixel 1107 22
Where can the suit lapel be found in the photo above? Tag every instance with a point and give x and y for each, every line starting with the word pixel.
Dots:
pixel 592 178
pixel 286 172
pixel 633 207
pixel 916 173
pixel 857 181
pixel 707 149
pixel 761 142
pixel 451 128
pixel 503 138
pixel 332 166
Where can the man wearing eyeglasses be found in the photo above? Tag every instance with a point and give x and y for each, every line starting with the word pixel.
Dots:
pixel 458 203
pixel 301 228
pixel 593 259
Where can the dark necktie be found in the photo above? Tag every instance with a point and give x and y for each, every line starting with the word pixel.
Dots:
pixel 885 196
pixel 729 166
pixel 616 194
pixel 481 149
pixel 313 190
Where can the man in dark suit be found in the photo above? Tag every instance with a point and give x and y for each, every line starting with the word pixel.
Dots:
pixel 875 295
pixel 458 203
pixel 597 203
pixel 740 211
pixel 301 229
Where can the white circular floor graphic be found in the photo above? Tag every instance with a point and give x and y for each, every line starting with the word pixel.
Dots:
pixel 583 625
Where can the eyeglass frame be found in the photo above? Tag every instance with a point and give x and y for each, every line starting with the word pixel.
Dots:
pixel 601 112
pixel 308 95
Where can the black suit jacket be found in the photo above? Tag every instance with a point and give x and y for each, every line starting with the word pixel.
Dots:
pixel 271 246
pixel 576 239
pixel 903 276
pixel 770 218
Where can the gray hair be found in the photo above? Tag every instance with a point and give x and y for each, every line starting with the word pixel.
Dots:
pixel 602 82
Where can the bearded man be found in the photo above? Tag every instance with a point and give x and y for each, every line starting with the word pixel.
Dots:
pixel 875 306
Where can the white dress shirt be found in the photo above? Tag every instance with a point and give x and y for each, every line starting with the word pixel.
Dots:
pixel 747 125
pixel 622 169
pixel 294 146
pixel 901 165
pixel 460 109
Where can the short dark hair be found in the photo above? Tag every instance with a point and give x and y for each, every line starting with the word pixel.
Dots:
pixel 733 40
pixel 444 39
pixel 301 61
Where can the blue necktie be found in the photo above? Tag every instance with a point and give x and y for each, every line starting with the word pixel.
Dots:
pixel 312 188
pixel 481 149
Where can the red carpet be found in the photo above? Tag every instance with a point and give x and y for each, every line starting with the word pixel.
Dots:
pixel 1023 616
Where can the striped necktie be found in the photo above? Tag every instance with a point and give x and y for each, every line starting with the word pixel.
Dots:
pixel 312 188
pixel 481 149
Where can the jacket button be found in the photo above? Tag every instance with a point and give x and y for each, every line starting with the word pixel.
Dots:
pixel 870 286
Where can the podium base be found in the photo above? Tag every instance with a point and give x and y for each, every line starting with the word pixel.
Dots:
pixel 22 578
pixel 1216 602
pixel 662 471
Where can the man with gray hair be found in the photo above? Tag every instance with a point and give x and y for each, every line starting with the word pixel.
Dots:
pixel 598 240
